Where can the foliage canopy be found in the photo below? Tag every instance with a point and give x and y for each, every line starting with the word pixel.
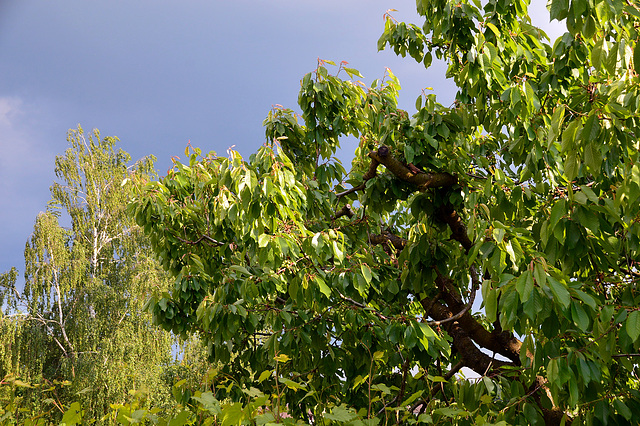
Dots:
pixel 361 285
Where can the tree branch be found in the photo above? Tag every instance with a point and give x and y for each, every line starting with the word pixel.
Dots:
pixel 497 341
pixel 204 237
pixel 344 211
pixel 370 174
pixel 458 231
pixel 464 310
pixel 387 237
pixel 351 190
pixel 422 180
pixel 402 171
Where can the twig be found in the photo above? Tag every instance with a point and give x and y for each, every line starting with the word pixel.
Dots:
pixel 371 173
pixel 203 237
pixel 362 306
pixel 352 190
pixel 436 389
pixel 459 314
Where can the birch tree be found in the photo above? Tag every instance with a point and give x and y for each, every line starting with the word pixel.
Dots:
pixel 87 276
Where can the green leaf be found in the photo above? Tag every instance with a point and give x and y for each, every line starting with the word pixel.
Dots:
pixel 412 398
pixel 409 153
pixel 573 391
pixel 366 272
pixel 552 370
pixel 239 268
pixel 249 180
pixel 352 72
pixel 493 28
pixel 282 358
pixel 593 157
pixel 451 412
pixel 558 210
pixel 291 384
pixel 324 288
pixel 540 274
pixel 590 129
pixel 264 375
pixel 524 286
pixel 263 240
pixel 532 415
pixel 317 242
pixel 622 409
pixel 597 53
pixel 589 28
pixel 73 416
pixel 560 292
pixel 426 334
pixel 339 254
pixel 209 403
pixel 533 306
pixel 232 414
pixel 427 60
pixel 558 9
pixel 556 124
pixel 571 165
pixel 584 297
pixel 632 325
pixel 569 136
pixel 340 414
pixel 579 316
pixel 491 304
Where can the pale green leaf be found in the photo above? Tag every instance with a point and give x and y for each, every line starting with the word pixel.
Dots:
pixel 264 375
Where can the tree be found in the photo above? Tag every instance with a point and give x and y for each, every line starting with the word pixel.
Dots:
pixel 79 316
pixel 365 286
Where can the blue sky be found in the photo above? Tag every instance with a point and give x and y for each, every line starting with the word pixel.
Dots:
pixel 161 73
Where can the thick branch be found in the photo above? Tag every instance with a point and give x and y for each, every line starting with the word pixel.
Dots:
pixel 422 180
pixel 344 211
pixel 398 242
pixel 464 310
pixel 481 363
pixel 408 173
pixel 497 341
pixel 473 357
pixel 458 231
